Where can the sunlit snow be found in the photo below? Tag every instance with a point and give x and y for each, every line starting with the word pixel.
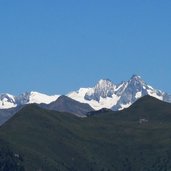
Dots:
pixel 38 98
pixel 138 95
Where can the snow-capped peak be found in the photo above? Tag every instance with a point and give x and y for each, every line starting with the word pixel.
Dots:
pixel 103 89
pixel 103 83
pixel 35 97
pixel 7 101
pixel 136 77
pixel 118 96
pixel 135 89
pixel 100 96
pixel 105 94
pixel 10 101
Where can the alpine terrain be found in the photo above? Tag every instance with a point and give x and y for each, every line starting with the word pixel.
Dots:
pixel 105 94
pixel 134 139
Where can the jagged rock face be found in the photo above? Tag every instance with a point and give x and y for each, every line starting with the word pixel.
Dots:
pixel 105 94
pixel 7 101
pixel 136 88
pixel 23 98
pixel 118 96
pixel 104 88
pixel 7 98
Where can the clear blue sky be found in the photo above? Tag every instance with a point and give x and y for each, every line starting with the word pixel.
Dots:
pixel 56 46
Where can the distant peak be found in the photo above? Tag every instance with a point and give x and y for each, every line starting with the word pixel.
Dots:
pixel 136 80
pixel 107 79
pixel 136 77
pixel 104 82
pixel 63 97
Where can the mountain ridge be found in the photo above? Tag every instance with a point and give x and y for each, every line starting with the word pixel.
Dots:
pixel 105 94
pixel 117 96
pixel 66 104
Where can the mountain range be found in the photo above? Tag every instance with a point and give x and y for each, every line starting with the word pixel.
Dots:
pixel 105 94
pixel 42 132
pixel 136 138
pixel 117 96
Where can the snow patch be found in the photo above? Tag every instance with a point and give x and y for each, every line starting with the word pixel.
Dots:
pixel 6 105
pixel 7 101
pixel 154 94
pixel 107 102
pixel 38 98
pixel 124 106
pixel 138 95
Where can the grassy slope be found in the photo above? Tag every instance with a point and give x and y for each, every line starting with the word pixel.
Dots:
pixel 51 140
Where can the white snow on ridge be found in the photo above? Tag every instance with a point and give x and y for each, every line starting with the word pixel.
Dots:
pixel 124 106
pixel 121 86
pixel 6 105
pixel 154 94
pixel 150 87
pixel 108 102
pixel 7 101
pixel 103 102
pixel 79 95
pixel 10 96
pixel 36 97
pixel 105 94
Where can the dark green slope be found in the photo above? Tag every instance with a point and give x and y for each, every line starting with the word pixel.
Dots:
pixel 138 138
pixel 152 109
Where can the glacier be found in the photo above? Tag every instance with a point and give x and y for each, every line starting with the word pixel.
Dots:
pixel 105 94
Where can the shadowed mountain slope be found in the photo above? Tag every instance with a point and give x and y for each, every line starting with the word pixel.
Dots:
pixel 50 140
pixel 6 114
pixel 66 104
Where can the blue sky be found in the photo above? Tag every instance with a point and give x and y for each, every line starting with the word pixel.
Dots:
pixel 57 46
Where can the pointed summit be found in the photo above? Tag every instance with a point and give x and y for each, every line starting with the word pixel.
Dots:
pixel 102 81
pixel 105 94
pixel 103 89
pixel 66 104
pixel 104 84
pixel 136 80
pixel 136 77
